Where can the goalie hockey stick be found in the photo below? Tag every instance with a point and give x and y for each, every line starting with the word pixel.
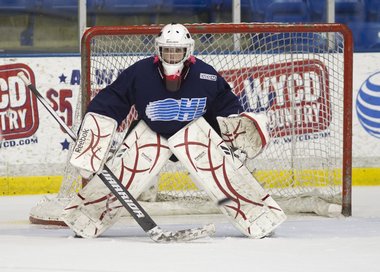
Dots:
pixel 122 194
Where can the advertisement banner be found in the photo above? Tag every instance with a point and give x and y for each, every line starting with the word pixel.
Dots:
pixel 366 110
pixel 32 143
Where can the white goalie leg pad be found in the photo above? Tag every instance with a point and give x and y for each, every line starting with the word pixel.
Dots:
pixel 247 132
pixel 209 160
pixel 93 143
pixel 136 163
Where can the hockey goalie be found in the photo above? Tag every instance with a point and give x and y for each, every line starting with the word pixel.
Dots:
pixel 187 112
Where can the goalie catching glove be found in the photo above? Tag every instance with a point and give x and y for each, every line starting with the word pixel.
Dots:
pixel 93 143
pixel 246 132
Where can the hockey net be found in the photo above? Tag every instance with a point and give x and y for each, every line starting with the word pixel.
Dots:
pixel 300 75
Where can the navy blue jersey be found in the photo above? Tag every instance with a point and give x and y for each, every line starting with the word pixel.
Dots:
pixel 202 93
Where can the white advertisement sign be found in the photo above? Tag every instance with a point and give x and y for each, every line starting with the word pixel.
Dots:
pixel 366 110
pixel 32 142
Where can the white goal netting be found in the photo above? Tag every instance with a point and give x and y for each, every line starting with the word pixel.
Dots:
pixel 300 75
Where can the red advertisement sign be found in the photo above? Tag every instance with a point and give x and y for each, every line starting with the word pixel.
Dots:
pixel 18 106
pixel 295 95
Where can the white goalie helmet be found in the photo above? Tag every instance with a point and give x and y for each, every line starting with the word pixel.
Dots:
pixel 174 46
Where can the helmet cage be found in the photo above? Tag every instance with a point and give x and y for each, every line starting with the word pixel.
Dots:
pixel 172 39
pixel 172 55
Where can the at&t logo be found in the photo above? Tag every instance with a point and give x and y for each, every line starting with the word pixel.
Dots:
pixel 368 105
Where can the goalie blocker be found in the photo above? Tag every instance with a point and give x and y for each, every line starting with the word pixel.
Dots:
pixel 93 143
pixel 215 169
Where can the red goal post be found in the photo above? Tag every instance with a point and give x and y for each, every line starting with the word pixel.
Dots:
pixel 299 74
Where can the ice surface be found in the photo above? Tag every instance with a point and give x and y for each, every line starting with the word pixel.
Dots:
pixel 303 243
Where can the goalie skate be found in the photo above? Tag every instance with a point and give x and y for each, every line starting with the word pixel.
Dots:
pixel 250 208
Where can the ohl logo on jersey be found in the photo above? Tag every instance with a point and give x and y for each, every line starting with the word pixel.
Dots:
pixel 295 95
pixel 184 109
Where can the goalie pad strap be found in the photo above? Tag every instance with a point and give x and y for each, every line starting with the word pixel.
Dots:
pixel 215 169
pixel 94 142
